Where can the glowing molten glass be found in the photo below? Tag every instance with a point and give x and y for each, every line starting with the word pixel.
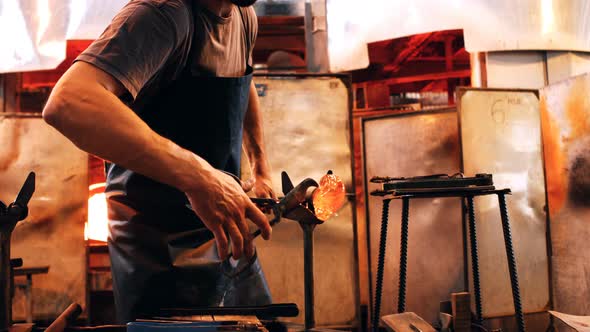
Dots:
pixel 97 224
pixel 329 197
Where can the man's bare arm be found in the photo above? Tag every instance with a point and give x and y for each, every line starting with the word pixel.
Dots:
pixel 254 143
pixel 85 108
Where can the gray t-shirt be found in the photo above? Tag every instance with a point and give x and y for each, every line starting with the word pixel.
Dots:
pixel 150 42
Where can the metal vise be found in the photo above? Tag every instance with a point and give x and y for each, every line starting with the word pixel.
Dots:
pixel 9 216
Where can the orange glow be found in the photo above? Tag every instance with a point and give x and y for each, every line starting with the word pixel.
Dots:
pixel 329 197
pixel 555 160
pixel 97 224
pixel 575 107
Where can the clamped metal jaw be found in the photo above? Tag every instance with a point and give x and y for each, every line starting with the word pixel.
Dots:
pixel 296 205
pixel 9 216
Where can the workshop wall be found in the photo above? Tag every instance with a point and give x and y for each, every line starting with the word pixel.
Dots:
pixel 414 144
pixel 306 127
pixel 501 135
pixel 53 233
pixel 565 119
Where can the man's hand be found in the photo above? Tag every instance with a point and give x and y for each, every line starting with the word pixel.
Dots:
pixel 223 206
pixel 262 187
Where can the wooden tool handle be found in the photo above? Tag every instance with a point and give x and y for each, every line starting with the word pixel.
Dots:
pixel 68 316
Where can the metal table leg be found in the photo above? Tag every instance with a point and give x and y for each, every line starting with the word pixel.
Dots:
pixel 380 265
pixel 474 259
pixel 403 259
pixel 29 298
pixel 511 262
pixel 308 275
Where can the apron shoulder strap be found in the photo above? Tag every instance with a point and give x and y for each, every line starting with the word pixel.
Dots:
pixel 246 33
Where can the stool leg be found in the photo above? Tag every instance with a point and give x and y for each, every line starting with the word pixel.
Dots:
pixel 403 258
pixel 511 262
pixel 381 265
pixel 474 260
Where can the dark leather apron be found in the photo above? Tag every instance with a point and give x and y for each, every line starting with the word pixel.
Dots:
pixel 161 253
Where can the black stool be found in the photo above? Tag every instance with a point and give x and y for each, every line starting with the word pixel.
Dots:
pixel 467 193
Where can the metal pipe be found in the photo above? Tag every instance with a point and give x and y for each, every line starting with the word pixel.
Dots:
pixel 511 263
pixel 308 274
pixel 474 260
pixel 403 257
pixel 381 264
pixel 5 281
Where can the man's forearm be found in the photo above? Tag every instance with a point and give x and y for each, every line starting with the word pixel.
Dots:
pixel 94 119
pixel 254 136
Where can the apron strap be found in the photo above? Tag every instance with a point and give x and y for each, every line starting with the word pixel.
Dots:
pixel 247 37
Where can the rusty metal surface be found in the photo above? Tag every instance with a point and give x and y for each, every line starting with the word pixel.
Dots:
pixel 565 117
pixel 501 135
pixel 306 127
pixel 53 233
pixel 409 145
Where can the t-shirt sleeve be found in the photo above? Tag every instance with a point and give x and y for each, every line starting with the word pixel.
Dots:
pixel 139 41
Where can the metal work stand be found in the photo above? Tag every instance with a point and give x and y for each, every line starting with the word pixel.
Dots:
pixel 468 193
pixel 308 228
pixel 9 216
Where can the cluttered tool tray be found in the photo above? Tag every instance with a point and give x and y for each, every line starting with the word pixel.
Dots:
pixel 437 185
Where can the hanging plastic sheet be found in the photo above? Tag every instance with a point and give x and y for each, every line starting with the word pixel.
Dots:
pixel 488 25
pixel 306 126
pixel 38 29
pixel 35 31
pixel 53 233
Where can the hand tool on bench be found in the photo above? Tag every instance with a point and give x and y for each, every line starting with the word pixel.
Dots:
pixel 272 310
pixel 66 318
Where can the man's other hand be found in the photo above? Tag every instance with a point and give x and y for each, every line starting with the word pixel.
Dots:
pixel 262 187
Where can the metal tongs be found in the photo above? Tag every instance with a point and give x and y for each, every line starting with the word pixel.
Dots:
pixel 292 205
pixel 298 206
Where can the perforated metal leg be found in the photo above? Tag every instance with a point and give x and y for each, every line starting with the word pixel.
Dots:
pixel 380 265
pixel 403 258
pixel 474 259
pixel 511 262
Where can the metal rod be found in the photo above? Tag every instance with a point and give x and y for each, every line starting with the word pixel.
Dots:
pixel 29 298
pixel 474 260
pixel 308 275
pixel 403 260
pixel 381 264
pixel 5 282
pixel 511 262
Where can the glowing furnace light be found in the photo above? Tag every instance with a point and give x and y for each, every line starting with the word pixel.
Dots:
pixel 97 224
pixel 329 197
